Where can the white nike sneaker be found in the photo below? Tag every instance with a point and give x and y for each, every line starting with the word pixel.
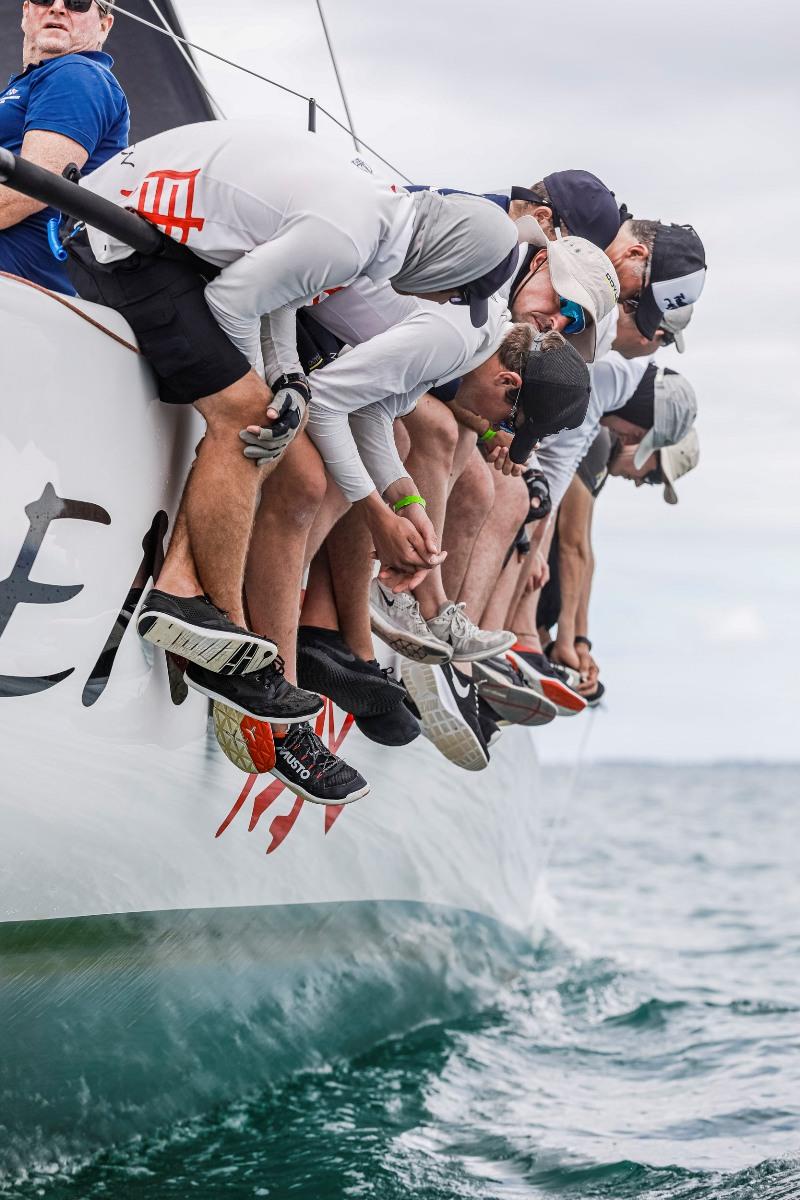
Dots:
pixel 469 643
pixel 446 703
pixel 397 621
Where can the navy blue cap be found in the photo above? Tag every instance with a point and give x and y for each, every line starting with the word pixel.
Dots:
pixel 585 204
pixel 477 293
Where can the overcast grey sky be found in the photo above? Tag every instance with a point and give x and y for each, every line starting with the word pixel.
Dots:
pixel 689 111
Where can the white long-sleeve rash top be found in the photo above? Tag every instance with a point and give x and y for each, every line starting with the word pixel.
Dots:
pixel 356 399
pixel 284 219
pixel 614 379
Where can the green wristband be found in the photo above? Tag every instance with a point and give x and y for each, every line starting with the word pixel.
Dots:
pixel 406 500
pixel 487 437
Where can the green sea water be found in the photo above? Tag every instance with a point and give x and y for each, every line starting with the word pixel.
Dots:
pixel 645 1043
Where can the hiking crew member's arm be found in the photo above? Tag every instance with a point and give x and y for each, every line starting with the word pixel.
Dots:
pixel 271 281
pixel 574 551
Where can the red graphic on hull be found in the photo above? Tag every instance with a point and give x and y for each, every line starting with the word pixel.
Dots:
pixel 166 198
pixel 283 823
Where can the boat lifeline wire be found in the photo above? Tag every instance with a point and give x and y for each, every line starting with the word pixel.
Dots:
pixel 313 104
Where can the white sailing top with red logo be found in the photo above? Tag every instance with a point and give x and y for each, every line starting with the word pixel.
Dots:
pixel 284 218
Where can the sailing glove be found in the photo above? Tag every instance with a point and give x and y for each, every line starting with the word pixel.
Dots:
pixel 291 395
pixel 538 489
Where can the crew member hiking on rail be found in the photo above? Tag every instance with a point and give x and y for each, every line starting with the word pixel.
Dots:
pixel 272 222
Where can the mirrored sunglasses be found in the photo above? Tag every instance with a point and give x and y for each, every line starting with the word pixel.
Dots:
pixel 576 315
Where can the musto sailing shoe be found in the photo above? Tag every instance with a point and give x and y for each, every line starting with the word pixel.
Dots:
pixel 398 622
pixel 501 682
pixel 264 695
pixel 447 703
pixel 549 679
pixel 196 629
pixel 310 770
pixel 469 643
pixel 326 664
pixel 246 742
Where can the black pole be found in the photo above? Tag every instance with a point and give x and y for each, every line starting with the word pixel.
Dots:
pixel 57 192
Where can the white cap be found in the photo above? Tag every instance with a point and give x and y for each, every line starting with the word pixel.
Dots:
pixel 674 414
pixel 677 460
pixel 675 321
pixel 582 272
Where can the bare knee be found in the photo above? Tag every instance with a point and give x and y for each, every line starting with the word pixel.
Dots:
pixel 296 488
pixel 433 430
pixel 243 403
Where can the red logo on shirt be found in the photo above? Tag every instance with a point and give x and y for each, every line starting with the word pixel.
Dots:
pixel 166 198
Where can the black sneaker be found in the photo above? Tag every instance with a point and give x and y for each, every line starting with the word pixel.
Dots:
pixel 396 728
pixel 264 694
pixel 326 664
pixel 194 628
pixel 549 679
pixel 501 682
pixel 447 702
pixel 310 770
pixel 487 719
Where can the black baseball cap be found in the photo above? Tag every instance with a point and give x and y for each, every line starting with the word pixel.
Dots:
pixel 587 206
pixel 677 276
pixel 554 396
pixel 477 294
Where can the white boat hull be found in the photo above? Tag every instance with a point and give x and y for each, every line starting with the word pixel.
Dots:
pixel 116 801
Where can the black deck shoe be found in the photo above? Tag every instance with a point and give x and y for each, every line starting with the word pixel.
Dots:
pixel 396 728
pixel 487 719
pixel 310 770
pixel 194 628
pixel 264 694
pixel 326 664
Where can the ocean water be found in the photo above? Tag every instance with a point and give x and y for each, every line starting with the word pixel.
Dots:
pixel 646 1043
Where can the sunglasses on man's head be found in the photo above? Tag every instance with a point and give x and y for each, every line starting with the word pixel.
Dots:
pixel 576 315
pixel 78 6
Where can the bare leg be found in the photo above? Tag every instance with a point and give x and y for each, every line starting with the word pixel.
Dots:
pixel 434 437
pixel 470 504
pixel 289 503
pixel 492 544
pixel 319 606
pixel 178 575
pixel 497 614
pixel 351 559
pixel 219 500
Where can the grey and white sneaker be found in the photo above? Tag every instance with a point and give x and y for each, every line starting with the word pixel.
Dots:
pixel 446 702
pixel 468 642
pixel 397 621
pixel 501 682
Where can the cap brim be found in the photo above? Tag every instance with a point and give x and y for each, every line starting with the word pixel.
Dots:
pixel 670 495
pixel 565 284
pixel 646 447
pixel 648 315
pixel 679 342
pixel 525 439
pixel 478 311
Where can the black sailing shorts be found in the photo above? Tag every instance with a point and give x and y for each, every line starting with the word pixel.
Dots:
pixel 162 299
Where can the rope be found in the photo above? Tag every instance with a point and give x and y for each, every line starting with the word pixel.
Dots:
pixel 187 58
pixel 264 79
pixel 72 307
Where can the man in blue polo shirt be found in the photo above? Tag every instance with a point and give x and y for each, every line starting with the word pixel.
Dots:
pixel 65 107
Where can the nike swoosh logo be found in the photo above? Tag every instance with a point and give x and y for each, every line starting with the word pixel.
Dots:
pixel 461 689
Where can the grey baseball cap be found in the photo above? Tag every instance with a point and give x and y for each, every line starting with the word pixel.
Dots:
pixel 674 413
pixel 674 322
pixel 677 460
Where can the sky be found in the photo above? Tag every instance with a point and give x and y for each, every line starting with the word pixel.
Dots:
pixel 689 112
